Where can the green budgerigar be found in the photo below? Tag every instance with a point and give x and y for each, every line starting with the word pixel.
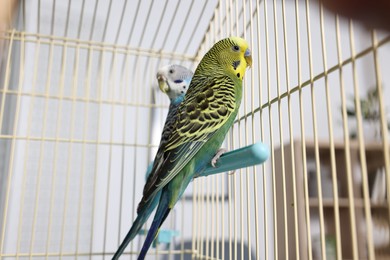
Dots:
pixel 198 128
pixel 173 80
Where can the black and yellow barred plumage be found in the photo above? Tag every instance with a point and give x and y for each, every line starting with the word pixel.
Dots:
pixel 198 128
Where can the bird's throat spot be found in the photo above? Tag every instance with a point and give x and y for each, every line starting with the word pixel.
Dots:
pixel 236 64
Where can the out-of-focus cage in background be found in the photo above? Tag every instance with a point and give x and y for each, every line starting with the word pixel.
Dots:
pixel 81 117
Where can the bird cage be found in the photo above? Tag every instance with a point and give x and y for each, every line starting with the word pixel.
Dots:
pixel 81 117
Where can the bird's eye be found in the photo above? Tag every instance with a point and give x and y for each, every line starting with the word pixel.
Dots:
pixel 178 81
pixel 236 48
pixel 171 71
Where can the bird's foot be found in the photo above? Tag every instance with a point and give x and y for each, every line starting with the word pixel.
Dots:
pixel 217 155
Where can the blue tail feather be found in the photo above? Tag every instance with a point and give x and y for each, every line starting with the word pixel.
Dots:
pixel 161 214
pixel 142 217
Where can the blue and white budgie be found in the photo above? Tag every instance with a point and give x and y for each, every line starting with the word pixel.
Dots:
pixel 173 80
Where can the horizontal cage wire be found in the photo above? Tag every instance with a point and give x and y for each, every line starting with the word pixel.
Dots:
pixel 81 117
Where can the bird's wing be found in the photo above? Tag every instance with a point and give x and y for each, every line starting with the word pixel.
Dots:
pixel 204 110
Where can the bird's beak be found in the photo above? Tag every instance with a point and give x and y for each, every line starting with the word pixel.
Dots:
pixel 248 57
pixel 162 83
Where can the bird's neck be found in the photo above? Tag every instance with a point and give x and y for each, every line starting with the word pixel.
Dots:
pixel 177 100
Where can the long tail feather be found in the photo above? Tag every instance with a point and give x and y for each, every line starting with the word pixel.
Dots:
pixel 161 214
pixel 137 225
pixel 142 217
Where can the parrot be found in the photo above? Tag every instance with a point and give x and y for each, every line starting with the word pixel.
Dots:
pixel 197 129
pixel 173 80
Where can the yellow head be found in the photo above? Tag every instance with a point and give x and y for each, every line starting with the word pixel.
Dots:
pixel 230 54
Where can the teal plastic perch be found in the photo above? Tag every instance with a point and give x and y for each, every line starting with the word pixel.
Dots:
pixel 243 157
pixel 247 156
pixel 164 236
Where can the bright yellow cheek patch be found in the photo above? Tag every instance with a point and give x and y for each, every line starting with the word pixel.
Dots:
pixel 239 68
